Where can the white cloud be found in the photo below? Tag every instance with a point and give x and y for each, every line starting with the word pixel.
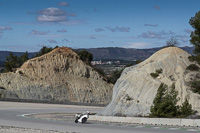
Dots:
pixel 156 35
pixel 183 38
pixel 138 45
pixel 52 41
pixel 36 32
pixel 52 14
pixel 52 11
pixel 47 18
pixel 62 30
pixel 63 3
pixel 99 29
pixel 92 37
pixel 157 7
pixel 5 28
pixel 118 29
pixel 42 45
pixel 151 25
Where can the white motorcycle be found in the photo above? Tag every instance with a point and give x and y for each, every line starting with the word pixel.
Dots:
pixel 82 118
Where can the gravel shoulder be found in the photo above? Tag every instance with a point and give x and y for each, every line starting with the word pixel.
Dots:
pixel 11 129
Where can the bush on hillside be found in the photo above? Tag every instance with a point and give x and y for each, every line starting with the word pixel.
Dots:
pixel 115 75
pixel 44 50
pixel 138 61
pixel 195 86
pixel 154 75
pixel 192 67
pixel 99 70
pixel 194 59
pixel 172 42
pixel 85 56
pixel 159 70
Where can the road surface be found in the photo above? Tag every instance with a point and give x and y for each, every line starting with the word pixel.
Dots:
pixel 11 115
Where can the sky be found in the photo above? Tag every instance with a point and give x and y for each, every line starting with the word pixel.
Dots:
pixel 28 25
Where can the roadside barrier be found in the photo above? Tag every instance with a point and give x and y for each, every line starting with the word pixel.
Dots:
pixel 150 121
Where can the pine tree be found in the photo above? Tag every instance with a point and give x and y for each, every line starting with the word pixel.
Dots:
pixel 186 109
pixel 156 109
pixel 195 35
pixel 23 58
pixel 12 61
pixel 165 104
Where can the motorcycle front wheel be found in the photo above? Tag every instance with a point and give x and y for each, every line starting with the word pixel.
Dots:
pixel 76 121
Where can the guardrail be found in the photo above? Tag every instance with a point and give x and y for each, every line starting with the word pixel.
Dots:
pixel 150 121
pixel 51 102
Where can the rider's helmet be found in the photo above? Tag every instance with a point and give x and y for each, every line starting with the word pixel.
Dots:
pixel 88 112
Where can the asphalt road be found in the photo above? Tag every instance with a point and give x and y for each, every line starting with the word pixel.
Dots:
pixel 11 115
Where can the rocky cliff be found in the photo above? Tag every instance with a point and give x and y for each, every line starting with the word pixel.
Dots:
pixel 59 75
pixel 135 90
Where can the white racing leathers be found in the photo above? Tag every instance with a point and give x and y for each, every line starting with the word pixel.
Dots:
pixel 81 118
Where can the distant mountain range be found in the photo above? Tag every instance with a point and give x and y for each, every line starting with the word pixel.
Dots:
pixel 127 53
pixel 108 53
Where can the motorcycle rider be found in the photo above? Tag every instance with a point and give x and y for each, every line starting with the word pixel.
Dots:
pixel 86 113
pixel 79 117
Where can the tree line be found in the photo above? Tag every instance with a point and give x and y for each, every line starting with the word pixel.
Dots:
pixel 12 61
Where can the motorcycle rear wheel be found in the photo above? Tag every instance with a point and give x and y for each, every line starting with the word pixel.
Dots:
pixel 84 120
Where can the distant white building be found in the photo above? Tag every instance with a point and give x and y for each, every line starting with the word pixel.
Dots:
pixel 96 62
pixel 117 62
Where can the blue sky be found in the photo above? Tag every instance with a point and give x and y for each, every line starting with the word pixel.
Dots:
pixel 28 25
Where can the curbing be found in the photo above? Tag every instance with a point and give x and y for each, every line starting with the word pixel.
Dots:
pixel 150 121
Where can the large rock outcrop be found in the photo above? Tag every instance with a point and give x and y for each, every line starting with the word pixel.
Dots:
pixel 59 75
pixel 135 90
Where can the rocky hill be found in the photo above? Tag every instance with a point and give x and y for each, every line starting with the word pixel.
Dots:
pixel 59 75
pixel 135 90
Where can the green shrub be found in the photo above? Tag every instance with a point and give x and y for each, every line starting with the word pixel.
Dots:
pixel 154 75
pixel 85 56
pixel 195 86
pixel 194 59
pixel 44 50
pixel 99 70
pixel 192 67
pixel 128 98
pixel 115 75
pixel 138 61
pixel 159 70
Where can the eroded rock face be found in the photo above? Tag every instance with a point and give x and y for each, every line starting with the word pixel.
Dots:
pixel 135 90
pixel 59 75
